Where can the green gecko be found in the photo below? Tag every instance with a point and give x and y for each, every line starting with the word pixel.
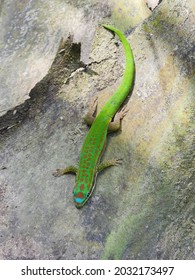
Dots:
pixel 95 141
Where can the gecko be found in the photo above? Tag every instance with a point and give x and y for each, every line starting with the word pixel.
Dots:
pixel 108 120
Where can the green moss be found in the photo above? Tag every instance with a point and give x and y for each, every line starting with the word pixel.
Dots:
pixel 137 231
pixel 118 240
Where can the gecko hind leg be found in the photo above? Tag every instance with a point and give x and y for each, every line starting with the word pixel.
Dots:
pixel 60 172
pixel 116 123
pixel 91 114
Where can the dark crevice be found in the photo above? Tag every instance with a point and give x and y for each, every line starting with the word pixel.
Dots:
pixel 66 61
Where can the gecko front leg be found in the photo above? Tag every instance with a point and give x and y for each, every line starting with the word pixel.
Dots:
pixel 60 172
pixel 108 163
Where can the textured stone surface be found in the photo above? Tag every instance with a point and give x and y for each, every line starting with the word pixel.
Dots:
pixel 31 31
pixel 143 209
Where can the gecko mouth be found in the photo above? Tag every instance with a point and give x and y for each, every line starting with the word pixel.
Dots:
pixel 78 206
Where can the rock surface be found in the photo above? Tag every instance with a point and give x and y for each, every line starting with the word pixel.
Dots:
pixel 31 31
pixel 142 209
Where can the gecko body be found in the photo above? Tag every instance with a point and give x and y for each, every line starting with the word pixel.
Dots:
pixel 95 141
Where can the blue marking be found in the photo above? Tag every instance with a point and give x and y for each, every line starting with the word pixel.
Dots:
pixel 78 199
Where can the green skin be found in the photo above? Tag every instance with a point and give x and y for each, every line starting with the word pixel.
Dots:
pixel 95 141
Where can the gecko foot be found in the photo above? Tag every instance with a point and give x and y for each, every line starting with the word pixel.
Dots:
pixel 58 173
pixel 122 113
pixel 117 161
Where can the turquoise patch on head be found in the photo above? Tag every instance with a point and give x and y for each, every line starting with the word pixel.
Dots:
pixel 78 199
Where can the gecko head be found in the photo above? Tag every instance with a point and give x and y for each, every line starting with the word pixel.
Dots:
pixel 81 195
pixel 80 198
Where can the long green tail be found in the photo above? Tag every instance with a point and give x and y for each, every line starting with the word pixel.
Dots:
pixel 114 103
